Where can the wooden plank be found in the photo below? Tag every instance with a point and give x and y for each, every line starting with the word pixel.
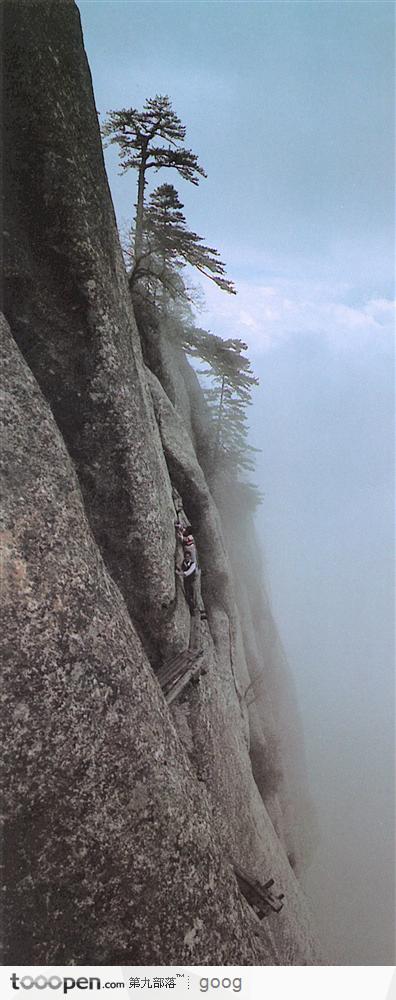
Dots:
pixel 245 877
pixel 196 654
pixel 275 907
pixel 258 895
pixel 182 683
pixel 177 661
pixel 178 687
pixel 173 662
pixel 173 659
pixel 187 654
pixel 170 671
pixel 275 901
pixel 253 895
pixel 251 881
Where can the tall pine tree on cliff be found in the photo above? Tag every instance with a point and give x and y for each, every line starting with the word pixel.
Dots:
pixel 138 135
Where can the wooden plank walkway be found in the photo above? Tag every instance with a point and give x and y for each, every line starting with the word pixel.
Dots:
pixel 260 897
pixel 178 671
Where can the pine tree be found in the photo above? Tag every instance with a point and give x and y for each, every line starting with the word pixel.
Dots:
pixel 137 133
pixel 167 240
pixel 228 396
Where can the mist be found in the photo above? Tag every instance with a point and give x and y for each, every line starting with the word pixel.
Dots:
pixel 326 525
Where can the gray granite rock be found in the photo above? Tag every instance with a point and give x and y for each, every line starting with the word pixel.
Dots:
pixel 122 816
pixel 220 735
pixel 68 303
pixel 110 849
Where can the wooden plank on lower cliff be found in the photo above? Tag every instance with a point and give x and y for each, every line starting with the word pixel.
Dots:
pixel 177 667
pixel 172 668
pixel 182 683
pixel 275 902
pixel 259 897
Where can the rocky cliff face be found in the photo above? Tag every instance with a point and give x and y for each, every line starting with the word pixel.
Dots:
pixel 123 816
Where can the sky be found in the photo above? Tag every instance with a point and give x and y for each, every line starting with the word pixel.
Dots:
pixel 289 108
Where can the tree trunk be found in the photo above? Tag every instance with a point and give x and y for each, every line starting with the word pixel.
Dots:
pixel 219 421
pixel 140 205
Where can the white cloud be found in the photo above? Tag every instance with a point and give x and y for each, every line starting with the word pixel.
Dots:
pixel 247 320
pixel 266 315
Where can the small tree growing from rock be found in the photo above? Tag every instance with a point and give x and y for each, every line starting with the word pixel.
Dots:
pixel 232 383
pixel 169 245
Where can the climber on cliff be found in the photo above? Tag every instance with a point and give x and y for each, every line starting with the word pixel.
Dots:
pixel 189 546
pixel 188 571
pixel 185 536
pixel 182 530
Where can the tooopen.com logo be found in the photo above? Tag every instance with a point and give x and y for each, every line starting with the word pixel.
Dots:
pixel 56 982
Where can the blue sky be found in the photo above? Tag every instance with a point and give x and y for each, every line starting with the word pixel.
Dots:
pixel 289 108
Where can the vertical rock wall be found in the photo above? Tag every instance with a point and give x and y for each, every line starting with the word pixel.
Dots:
pixel 68 304
pixel 109 847
pixel 122 818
